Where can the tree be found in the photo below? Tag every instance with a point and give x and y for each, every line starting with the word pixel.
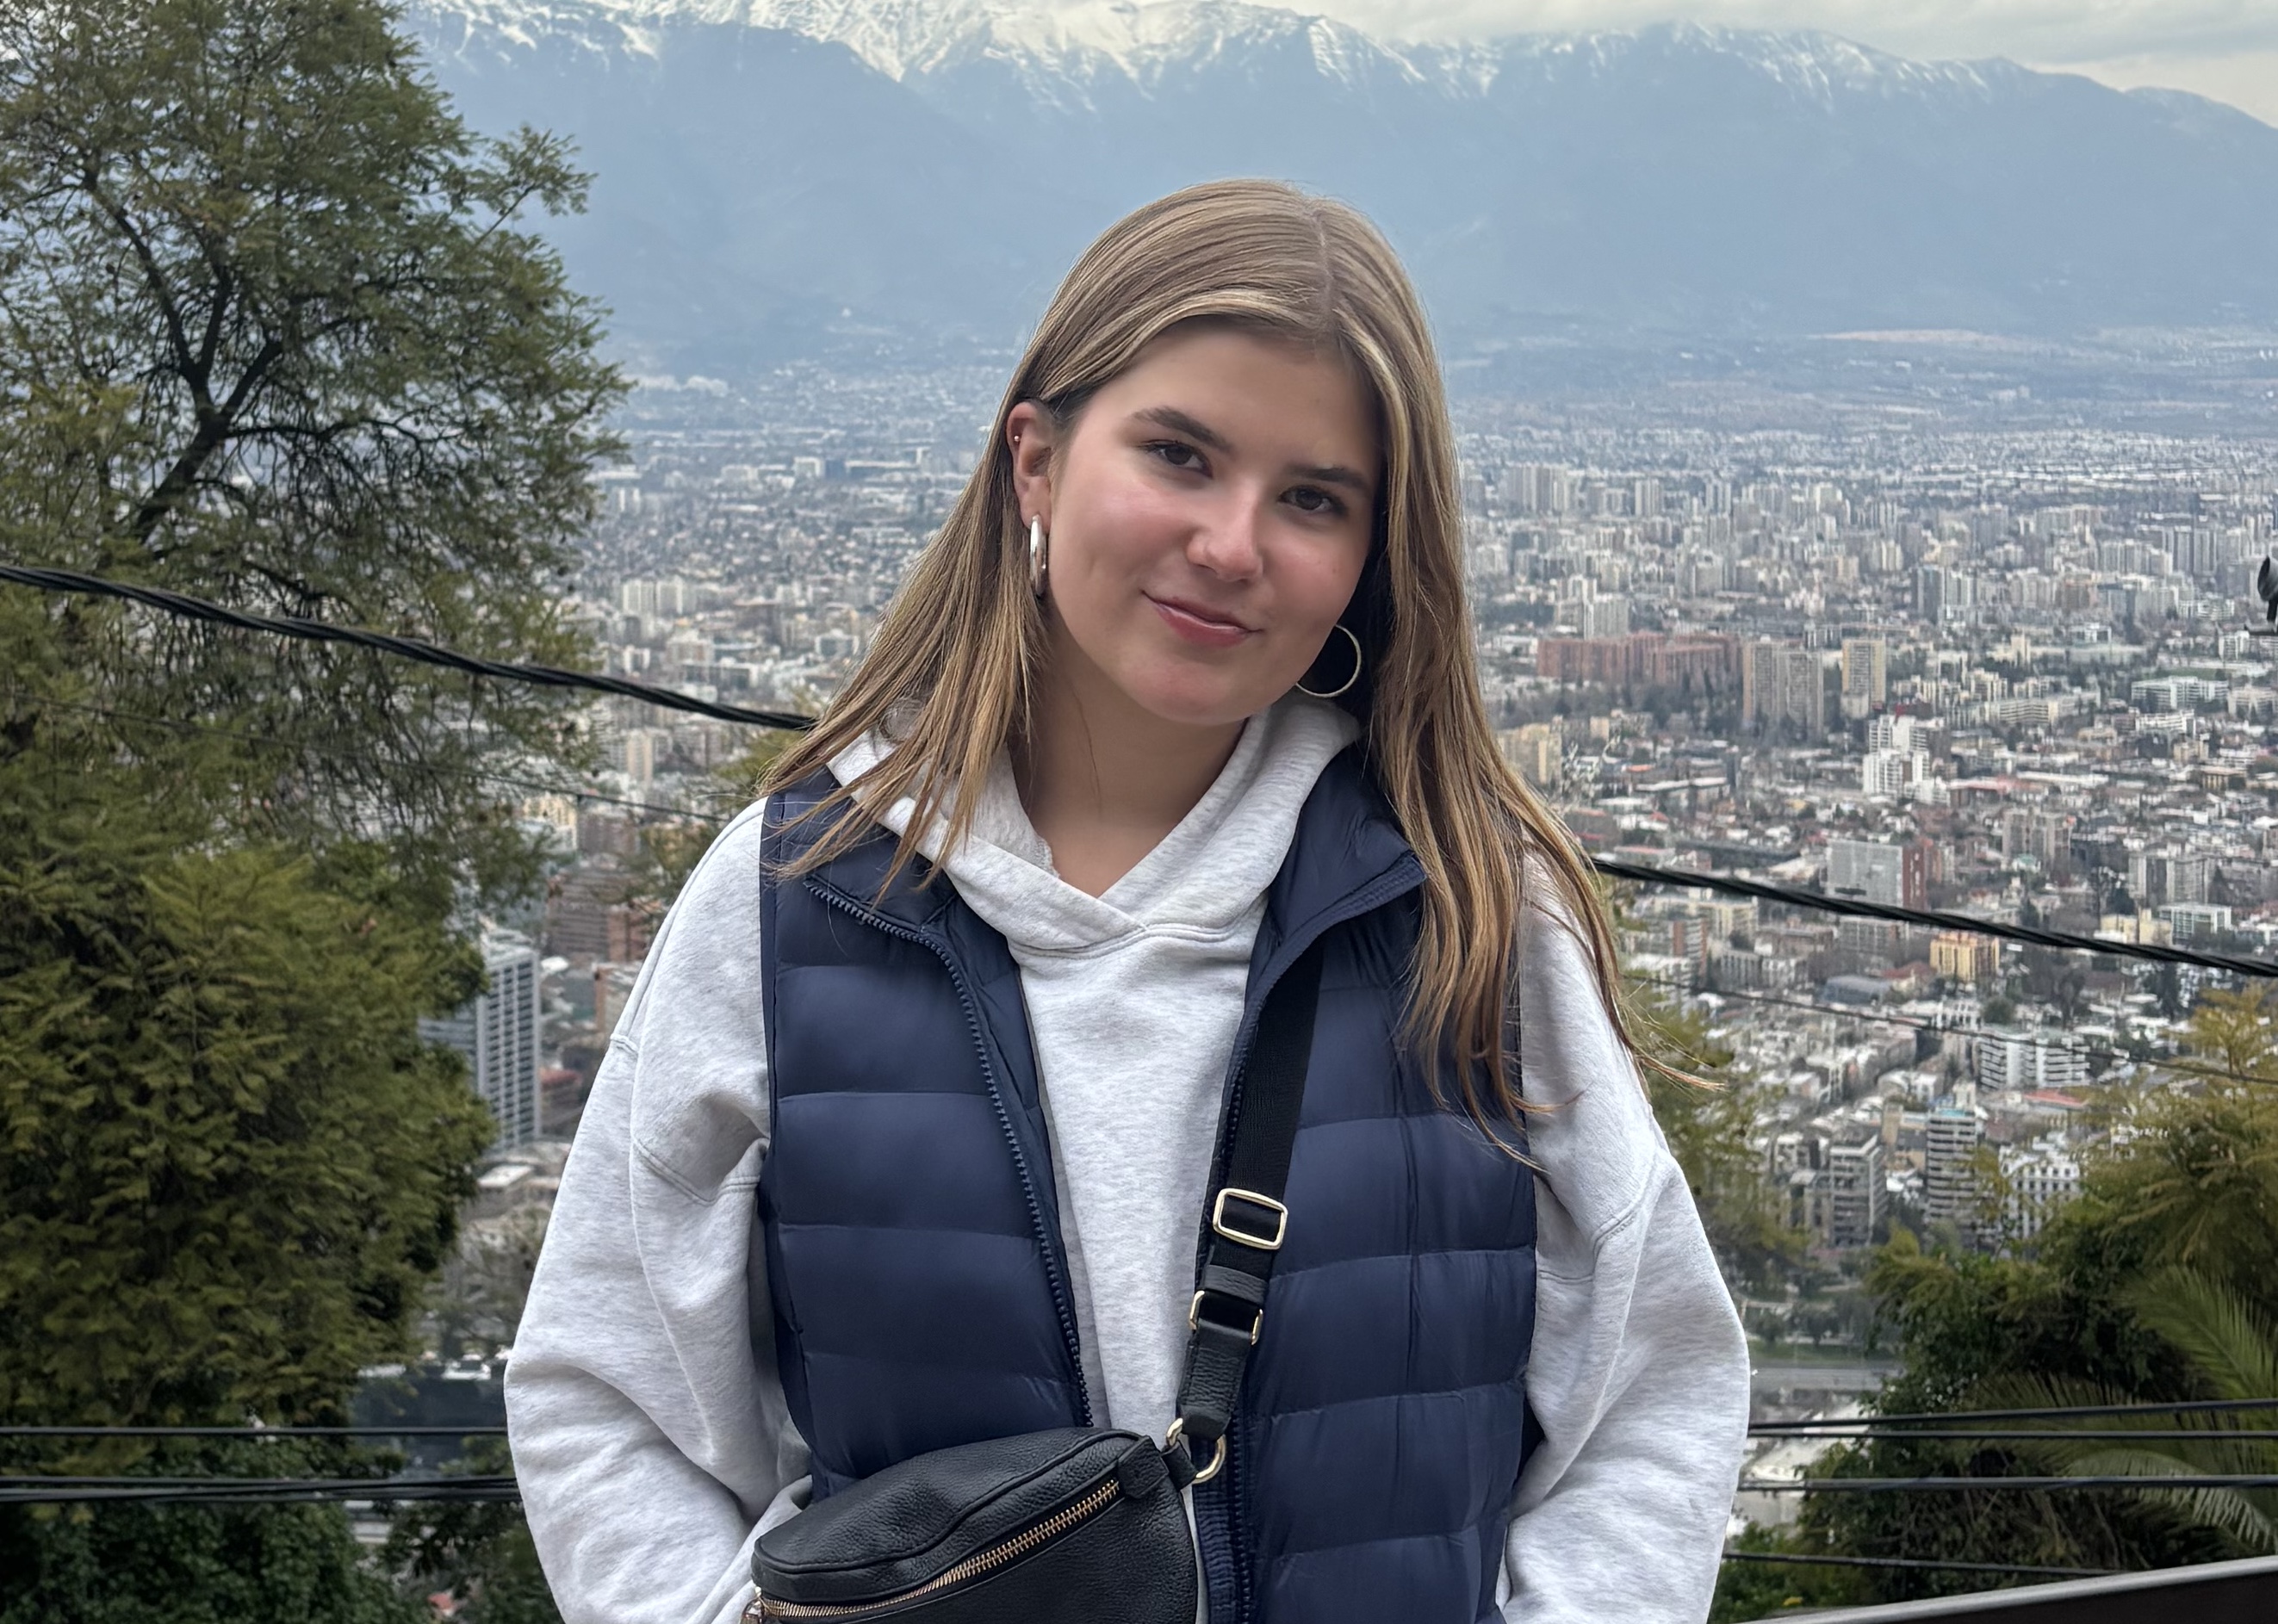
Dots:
pixel 213 1564
pixel 270 333
pixel 228 1164
pixel 1708 1114
pixel 479 1552
pixel 2232 1348
pixel 2238 1030
pixel 2157 1284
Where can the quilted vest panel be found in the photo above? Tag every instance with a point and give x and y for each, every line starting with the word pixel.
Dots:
pixel 919 1290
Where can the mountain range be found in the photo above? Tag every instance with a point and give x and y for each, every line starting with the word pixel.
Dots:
pixel 773 176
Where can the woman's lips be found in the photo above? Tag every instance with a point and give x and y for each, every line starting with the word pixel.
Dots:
pixel 1198 627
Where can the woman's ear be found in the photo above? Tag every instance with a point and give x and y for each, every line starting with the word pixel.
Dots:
pixel 1029 432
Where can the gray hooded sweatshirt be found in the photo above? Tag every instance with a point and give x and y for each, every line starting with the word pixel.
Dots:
pixel 650 1431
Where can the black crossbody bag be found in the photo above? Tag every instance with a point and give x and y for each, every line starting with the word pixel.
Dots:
pixel 1078 1525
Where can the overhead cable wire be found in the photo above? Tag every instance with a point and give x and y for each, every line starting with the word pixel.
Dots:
pixel 252 1433
pixel 1859 908
pixel 406 648
pixel 569 791
pixel 62 1491
pixel 2179 1407
pixel 1896 1485
pixel 2041 1435
pixel 551 676
pixel 1814 1560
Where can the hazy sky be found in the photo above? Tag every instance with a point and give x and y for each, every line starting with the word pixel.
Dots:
pixel 2225 49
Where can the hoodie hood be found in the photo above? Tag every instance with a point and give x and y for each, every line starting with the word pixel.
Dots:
pixel 1205 877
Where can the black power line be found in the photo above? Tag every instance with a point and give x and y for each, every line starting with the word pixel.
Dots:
pixel 1946 1418
pixel 269 1490
pixel 1802 1559
pixel 1857 908
pixel 552 676
pixel 386 643
pixel 252 1433
pixel 1894 1485
pixel 571 791
pixel 2038 1435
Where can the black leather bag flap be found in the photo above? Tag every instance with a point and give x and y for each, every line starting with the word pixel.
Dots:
pixel 913 1521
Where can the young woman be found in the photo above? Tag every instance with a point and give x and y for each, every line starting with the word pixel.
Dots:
pixel 903 1140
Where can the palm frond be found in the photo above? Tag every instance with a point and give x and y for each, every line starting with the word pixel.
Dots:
pixel 2226 1340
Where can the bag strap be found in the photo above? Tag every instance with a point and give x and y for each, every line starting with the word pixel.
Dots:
pixel 1245 1224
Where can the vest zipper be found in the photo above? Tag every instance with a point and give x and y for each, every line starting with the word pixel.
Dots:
pixel 1060 1523
pixel 1216 1502
pixel 1046 1238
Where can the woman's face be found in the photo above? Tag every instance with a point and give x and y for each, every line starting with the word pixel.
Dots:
pixel 1208 514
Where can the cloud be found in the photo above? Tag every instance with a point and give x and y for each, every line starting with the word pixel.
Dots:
pixel 2046 32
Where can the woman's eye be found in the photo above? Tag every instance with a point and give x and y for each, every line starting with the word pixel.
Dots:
pixel 1311 499
pixel 1178 453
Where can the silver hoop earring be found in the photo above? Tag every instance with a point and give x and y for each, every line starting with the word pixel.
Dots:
pixel 1350 679
pixel 1039 546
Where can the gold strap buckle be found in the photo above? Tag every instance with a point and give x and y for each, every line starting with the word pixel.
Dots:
pixel 1194 1319
pixel 1281 1218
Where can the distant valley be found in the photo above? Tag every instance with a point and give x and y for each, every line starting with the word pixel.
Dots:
pixel 786 177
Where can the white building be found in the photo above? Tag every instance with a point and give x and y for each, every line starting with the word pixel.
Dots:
pixel 1875 870
pixel 2028 1061
pixel 2042 1177
pixel 498 1033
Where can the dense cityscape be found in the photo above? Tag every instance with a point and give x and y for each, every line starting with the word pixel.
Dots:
pixel 2005 673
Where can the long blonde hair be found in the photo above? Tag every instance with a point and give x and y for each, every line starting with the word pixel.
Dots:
pixel 955 664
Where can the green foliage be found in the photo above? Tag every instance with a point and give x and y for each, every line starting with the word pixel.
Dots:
pixel 1750 1590
pixel 119 1563
pixel 1707 1113
pixel 270 332
pixel 2232 1349
pixel 480 1551
pixel 2160 1283
pixel 229 1166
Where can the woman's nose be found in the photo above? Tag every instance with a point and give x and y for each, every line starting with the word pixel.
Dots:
pixel 1229 542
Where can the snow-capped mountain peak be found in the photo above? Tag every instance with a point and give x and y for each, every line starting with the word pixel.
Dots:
pixel 820 155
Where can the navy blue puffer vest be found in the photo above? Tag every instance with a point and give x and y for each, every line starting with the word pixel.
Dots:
pixel 919 1291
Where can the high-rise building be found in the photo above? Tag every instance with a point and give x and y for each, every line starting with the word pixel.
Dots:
pixel 1857 1191
pixel 1949 1170
pixel 1875 871
pixel 1944 596
pixel 1534 487
pixel 1790 688
pixel 1538 753
pixel 1608 616
pixel 1866 676
pixel 498 1032
pixel 2157 878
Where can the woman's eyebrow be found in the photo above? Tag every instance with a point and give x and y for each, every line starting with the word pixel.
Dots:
pixel 1179 422
pixel 1172 418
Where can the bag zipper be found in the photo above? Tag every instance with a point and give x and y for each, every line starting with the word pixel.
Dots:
pixel 766 1607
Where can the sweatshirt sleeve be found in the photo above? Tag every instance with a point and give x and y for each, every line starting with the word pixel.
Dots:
pixel 648 1425
pixel 1639 1372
